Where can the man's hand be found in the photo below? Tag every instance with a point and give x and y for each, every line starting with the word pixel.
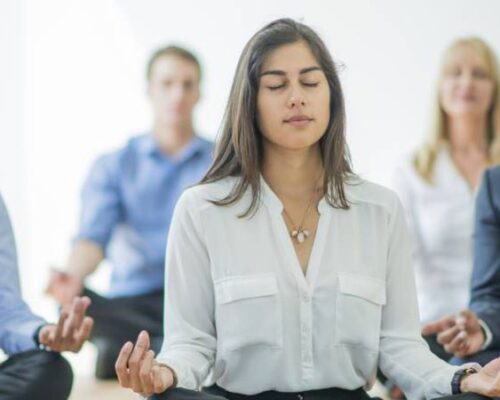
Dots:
pixel 433 328
pixel 72 329
pixel 461 335
pixel 64 287
pixel 485 382
pixel 137 369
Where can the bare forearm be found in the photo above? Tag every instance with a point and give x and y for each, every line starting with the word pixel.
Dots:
pixel 84 258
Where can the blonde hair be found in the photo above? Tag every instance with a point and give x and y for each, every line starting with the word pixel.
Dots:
pixel 425 156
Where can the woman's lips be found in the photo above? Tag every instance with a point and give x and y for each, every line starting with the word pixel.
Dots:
pixel 299 120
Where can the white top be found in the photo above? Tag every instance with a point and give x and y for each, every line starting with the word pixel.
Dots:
pixel 441 222
pixel 237 303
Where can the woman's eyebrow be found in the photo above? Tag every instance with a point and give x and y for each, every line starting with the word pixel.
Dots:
pixel 279 72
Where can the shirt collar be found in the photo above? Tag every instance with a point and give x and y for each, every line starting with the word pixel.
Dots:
pixel 149 146
pixel 193 148
pixel 274 203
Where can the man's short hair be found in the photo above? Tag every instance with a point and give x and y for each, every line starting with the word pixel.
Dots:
pixel 172 50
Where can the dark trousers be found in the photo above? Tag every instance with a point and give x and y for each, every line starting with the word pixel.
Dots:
pixel 118 320
pixel 217 393
pixel 35 375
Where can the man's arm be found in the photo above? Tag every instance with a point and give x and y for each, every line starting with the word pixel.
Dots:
pixel 83 260
pixel 20 329
pixel 485 287
pixel 101 211
pixel 17 322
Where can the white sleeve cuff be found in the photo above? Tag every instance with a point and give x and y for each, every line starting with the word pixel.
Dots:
pixel 184 376
pixel 488 335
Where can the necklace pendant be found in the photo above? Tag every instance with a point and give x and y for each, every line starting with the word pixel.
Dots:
pixel 301 237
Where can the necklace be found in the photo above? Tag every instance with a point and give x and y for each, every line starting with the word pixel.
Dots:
pixel 298 232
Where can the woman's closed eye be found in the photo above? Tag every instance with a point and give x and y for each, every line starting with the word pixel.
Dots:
pixel 310 84
pixel 276 86
pixel 283 85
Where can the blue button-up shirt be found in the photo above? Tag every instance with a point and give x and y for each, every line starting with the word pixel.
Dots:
pixel 17 323
pixel 127 205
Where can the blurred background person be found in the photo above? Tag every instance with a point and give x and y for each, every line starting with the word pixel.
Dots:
pixel 474 334
pixel 30 372
pixel 127 204
pixel 438 183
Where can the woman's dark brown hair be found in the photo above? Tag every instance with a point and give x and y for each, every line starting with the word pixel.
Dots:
pixel 239 151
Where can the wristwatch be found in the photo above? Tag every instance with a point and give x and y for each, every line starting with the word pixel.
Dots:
pixel 458 376
pixel 36 337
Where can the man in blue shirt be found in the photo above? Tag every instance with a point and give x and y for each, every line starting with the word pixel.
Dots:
pixel 29 372
pixel 127 205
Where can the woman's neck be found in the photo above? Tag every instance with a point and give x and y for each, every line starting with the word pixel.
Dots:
pixel 467 135
pixel 293 173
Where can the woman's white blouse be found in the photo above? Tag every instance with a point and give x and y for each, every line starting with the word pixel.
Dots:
pixel 441 222
pixel 238 306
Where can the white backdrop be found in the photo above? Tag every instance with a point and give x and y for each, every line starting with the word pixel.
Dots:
pixel 72 86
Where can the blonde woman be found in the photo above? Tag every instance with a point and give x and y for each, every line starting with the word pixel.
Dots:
pixel 287 277
pixel 437 185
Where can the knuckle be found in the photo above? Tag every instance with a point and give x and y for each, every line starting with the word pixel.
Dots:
pixel 119 368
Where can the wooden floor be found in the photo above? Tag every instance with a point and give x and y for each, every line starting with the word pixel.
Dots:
pixel 87 388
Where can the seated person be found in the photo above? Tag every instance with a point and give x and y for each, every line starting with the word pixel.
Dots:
pixel 127 206
pixel 287 276
pixel 437 185
pixel 30 372
pixel 475 333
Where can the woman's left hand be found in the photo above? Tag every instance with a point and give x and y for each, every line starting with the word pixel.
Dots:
pixel 485 382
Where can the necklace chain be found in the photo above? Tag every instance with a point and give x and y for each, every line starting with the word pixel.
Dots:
pixel 298 232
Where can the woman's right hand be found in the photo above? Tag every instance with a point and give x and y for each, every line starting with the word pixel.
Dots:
pixel 137 369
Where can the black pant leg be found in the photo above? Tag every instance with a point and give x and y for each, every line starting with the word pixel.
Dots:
pixel 217 393
pixel 464 396
pixel 121 319
pixel 125 317
pixel 185 394
pixel 35 375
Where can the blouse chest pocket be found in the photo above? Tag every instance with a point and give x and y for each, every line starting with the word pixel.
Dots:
pixel 248 312
pixel 359 310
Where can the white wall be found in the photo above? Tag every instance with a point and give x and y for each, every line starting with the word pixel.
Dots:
pixel 72 86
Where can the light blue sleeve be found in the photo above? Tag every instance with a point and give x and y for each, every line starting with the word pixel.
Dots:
pixel 101 202
pixel 17 323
